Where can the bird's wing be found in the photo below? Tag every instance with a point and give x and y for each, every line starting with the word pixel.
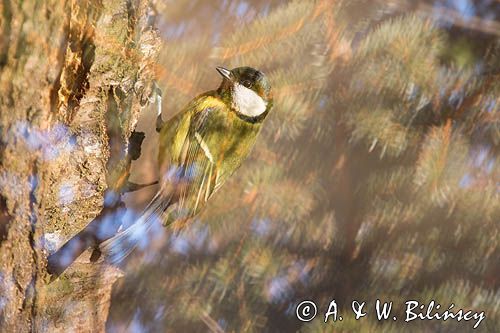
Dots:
pixel 198 173
pixel 172 139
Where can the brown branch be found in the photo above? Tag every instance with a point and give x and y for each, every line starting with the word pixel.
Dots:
pixel 447 15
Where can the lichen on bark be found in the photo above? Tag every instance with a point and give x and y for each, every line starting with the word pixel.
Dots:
pixel 74 78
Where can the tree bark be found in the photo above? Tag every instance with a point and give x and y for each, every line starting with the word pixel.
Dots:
pixel 74 77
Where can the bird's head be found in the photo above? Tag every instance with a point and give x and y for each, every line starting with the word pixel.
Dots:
pixel 247 89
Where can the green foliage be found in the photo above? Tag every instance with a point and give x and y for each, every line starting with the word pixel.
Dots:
pixel 376 176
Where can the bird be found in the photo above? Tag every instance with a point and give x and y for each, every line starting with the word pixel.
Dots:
pixel 199 149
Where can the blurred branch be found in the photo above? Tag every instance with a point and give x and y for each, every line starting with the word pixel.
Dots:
pixel 446 15
pixel 211 324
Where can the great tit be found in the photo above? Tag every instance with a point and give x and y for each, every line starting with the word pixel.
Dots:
pixel 199 149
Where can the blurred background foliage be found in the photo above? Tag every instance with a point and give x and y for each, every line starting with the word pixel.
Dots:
pixel 376 175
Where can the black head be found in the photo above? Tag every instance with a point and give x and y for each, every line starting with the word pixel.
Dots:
pixel 249 78
pixel 247 91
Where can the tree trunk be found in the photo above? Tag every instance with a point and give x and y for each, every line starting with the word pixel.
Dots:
pixel 74 77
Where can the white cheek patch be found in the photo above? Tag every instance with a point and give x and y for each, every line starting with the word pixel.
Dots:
pixel 247 102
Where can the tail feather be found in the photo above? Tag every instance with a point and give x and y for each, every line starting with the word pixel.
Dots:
pixel 120 246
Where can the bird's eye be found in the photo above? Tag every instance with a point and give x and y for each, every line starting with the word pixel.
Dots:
pixel 247 83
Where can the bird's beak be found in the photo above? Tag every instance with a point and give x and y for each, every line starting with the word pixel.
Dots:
pixel 226 73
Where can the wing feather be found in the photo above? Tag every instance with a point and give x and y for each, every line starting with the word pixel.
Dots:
pixel 199 164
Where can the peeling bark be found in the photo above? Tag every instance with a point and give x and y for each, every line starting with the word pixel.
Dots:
pixel 74 77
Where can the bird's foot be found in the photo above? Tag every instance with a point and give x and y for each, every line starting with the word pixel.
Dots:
pixel 131 186
pixel 158 94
